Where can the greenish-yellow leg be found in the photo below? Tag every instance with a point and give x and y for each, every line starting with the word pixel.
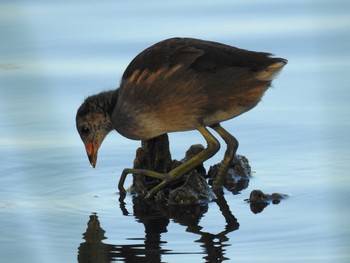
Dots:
pixel 136 171
pixel 232 145
pixel 212 148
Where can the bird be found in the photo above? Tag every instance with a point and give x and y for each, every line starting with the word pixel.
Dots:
pixel 179 84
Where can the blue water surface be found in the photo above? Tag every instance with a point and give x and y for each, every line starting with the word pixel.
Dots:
pixel 55 53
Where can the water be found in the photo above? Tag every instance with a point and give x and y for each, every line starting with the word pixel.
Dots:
pixel 297 140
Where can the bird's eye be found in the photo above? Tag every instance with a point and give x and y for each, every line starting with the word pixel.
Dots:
pixel 85 130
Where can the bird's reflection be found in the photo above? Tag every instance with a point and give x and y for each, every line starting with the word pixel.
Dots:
pixel 93 250
pixel 155 217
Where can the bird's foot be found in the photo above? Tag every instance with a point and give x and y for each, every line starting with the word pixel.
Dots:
pixel 158 187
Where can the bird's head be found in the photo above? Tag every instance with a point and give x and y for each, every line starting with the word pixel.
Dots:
pixel 93 125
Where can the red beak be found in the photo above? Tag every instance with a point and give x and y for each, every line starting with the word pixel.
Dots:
pixel 91 150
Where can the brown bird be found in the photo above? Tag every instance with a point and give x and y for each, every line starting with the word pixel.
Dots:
pixel 179 84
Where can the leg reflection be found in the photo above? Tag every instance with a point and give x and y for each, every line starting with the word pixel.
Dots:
pixel 214 244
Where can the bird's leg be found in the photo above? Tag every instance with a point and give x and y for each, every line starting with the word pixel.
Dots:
pixel 232 145
pixel 212 148
pixel 137 171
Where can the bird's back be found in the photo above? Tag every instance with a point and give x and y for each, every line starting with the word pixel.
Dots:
pixel 198 55
pixel 182 83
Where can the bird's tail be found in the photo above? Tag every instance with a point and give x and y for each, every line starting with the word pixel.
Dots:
pixel 269 73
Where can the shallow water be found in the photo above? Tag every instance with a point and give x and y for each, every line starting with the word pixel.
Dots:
pixel 297 139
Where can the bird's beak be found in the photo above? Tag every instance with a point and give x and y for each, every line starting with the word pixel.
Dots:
pixel 91 150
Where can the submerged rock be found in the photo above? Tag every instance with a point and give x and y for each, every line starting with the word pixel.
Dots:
pixel 260 196
pixel 259 200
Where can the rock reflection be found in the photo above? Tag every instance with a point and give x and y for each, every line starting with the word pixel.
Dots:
pixel 155 217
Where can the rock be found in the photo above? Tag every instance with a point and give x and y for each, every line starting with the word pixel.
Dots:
pixel 238 174
pixel 192 188
pixel 194 191
pixel 153 155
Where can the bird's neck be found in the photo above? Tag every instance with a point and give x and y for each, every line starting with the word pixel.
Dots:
pixel 107 100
